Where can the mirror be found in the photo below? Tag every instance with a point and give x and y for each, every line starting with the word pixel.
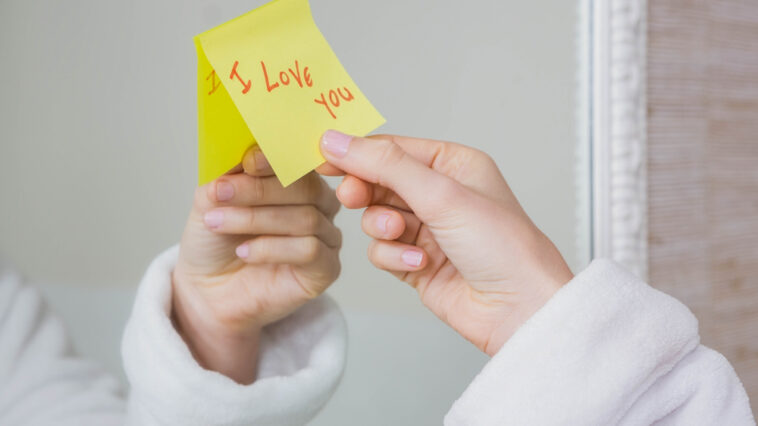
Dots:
pixel 97 159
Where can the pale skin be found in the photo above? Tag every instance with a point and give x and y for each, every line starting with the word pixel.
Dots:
pixel 252 252
pixel 441 216
pixel 444 220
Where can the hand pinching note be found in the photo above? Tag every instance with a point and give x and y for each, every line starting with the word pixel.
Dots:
pixel 269 77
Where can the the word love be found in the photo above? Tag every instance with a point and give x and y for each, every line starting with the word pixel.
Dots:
pixel 284 77
pixel 293 77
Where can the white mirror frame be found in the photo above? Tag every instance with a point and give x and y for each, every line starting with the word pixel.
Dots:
pixel 617 131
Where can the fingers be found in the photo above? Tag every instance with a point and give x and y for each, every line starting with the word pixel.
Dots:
pixel 385 223
pixel 424 150
pixel 254 163
pixel 283 250
pixel 394 256
pixel 469 166
pixel 319 263
pixel 383 162
pixel 243 190
pixel 355 193
pixel 327 169
pixel 297 221
pixel 382 223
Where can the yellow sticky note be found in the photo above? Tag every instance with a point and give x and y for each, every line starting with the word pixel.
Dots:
pixel 270 77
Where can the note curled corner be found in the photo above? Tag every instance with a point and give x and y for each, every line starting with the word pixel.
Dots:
pixel 269 77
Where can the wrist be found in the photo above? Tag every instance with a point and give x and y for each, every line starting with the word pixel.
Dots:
pixel 229 349
pixel 531 302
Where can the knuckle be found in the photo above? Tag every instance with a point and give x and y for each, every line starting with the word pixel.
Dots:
pixel 447 191
pixel 310 219
pixel 337 269
pixel 311 247
pixel 389 153
pixel 308 187
pixel 313 184
pixel 472 152
pixel 444 197
pixel 384 137
pixel 478 159
pixel 260 249
pixel 486 159
pixel 336 205
pixel 315 187
pixel 332 269
pixel 332 203
pixel 338 237
pixel 257 188
pixel 251 220
pixel 457 160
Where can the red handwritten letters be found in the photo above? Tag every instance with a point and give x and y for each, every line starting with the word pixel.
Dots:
pixel 214 83
pixel 235 74
pixel 334 99
pixel 284 77
pixel 293 77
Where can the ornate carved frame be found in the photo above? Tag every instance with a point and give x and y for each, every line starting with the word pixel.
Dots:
pixel 617 131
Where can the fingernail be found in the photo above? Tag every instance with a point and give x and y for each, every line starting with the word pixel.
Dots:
pixel 336 143
pixel 214 218
pixel 412 257
pixel 381 222
pixel 224 191
pixel 261 162
pixel 242 251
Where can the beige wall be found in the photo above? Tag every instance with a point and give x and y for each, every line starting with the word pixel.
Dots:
pixel 703 169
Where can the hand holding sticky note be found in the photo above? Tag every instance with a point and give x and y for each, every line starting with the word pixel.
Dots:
pixel 269 77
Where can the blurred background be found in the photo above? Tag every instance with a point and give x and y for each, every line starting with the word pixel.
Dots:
pixel 702 155
pixel 98 158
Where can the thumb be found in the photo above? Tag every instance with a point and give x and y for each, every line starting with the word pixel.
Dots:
pixel 383 162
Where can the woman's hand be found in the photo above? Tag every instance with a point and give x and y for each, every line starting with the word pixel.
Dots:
pixel 252 252
pixel 445 221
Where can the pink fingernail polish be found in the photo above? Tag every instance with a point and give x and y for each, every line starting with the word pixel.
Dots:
pixel 336 143
pixel 381 222
pixel 224 191
pixel 412 257
pixel 242 251
pixel 214 218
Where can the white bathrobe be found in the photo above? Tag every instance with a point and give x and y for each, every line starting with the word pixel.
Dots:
pixel 606 349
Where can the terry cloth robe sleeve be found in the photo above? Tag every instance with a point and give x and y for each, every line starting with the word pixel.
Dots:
pixel 300 364
pixel 607 349
pixel 42 380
